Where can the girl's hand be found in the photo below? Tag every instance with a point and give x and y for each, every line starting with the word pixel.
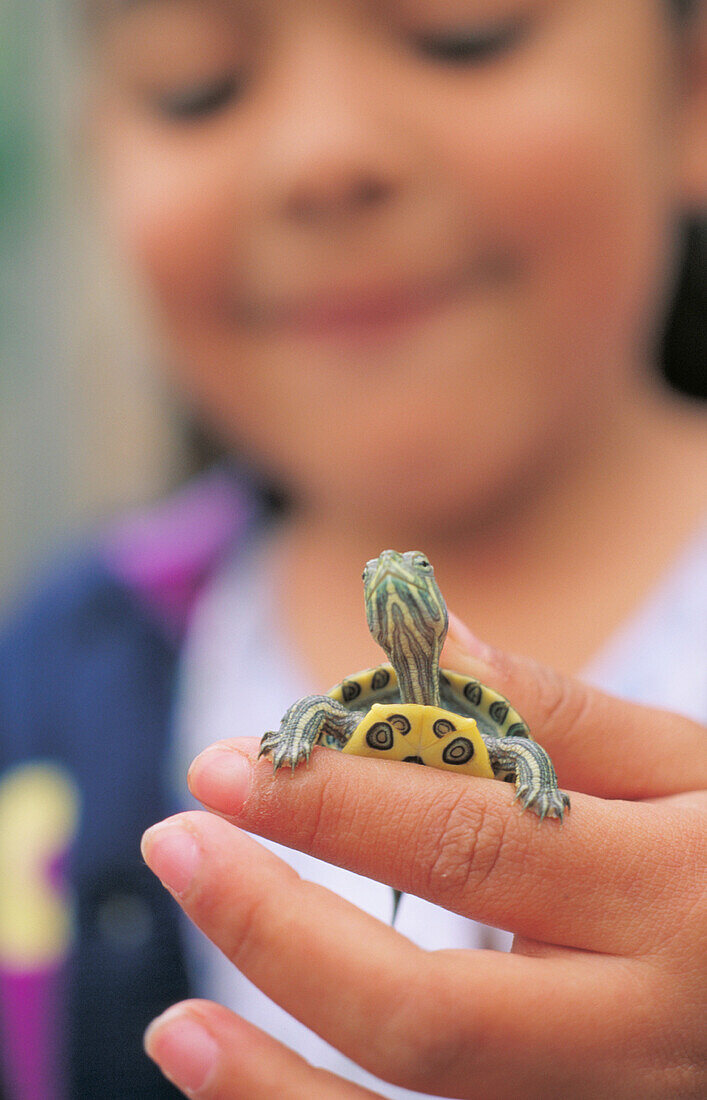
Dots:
pixel 604 992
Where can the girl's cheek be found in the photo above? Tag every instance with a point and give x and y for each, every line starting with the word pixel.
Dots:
pixel 173 217
pixel 587 226
pixel 570 159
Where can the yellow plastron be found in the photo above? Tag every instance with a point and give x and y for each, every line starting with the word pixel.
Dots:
pixel 422 735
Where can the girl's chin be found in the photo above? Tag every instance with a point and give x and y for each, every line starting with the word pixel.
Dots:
pixel 427 512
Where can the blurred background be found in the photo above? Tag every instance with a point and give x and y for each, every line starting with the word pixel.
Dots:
pixel 84 427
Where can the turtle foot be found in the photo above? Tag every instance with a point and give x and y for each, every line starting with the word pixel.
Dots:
pixel 545 802
pixel 284 751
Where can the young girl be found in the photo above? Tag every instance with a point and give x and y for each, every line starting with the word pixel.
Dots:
pixel 410 261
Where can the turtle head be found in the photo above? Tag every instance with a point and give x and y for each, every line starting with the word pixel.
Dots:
pixel 407 617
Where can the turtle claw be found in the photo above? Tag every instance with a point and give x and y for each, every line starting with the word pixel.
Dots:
pixel 283 751
pixel 546 802
pixel 268 744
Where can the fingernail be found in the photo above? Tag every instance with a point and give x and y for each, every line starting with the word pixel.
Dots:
pixel 221 778
pixel 183 1049
pixel 463 638
pixel 173 854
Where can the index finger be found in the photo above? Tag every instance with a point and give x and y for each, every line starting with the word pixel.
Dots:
pixel 598 744
pixel 461 842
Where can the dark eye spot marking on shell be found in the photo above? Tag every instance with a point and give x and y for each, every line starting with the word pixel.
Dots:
pixel 350 690
pixel 413 760
pixel 472 691
pixel 499 711
pixel 442 727
pixel 458 751
pixel 380 736
pixel 517 730
pixel 399 723
pixel 381 679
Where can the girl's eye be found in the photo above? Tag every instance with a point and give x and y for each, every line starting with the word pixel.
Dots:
pixel 471 46
pixel 197 101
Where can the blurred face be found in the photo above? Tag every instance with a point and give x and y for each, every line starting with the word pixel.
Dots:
pixel 401 251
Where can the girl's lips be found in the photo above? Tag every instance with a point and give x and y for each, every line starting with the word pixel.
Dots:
pixel 367 313
pixel 355 313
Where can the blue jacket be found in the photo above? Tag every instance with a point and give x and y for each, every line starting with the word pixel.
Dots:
pixel 89 941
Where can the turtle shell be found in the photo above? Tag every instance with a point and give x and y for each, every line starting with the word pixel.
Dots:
pixel 459 694
pixel 421 735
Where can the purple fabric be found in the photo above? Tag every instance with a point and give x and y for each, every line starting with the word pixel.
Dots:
pixel 57 873
pixel 165 552
pixel 31 1013
pixel 163 555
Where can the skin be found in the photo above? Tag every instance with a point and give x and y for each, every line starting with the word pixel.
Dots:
pixel 604 991
pixel 355 168
pixel 486 248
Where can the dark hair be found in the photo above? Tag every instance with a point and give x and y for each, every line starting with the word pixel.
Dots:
pixel 684 8
pixel 684 342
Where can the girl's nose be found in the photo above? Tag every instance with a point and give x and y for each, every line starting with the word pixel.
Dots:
pixel 332 145
pixel 332 191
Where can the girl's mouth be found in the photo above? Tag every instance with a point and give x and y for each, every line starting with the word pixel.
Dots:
pixel 370 312
pixel 354 314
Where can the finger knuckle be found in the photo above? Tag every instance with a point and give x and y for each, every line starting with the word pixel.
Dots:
pixel 428 1060
pixel 324 813
pixel 680 891
pixel 244 931
pixel 418 1049
pixel 471 838
pixel 686 1079
pixel 259 915
pixel 309 812
pixel 560 703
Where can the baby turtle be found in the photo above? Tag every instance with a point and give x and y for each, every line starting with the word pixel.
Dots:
pixel 411 709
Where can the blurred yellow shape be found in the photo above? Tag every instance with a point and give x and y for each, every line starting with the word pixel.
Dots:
pixel 39 808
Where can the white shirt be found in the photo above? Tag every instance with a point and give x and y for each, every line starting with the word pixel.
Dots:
pixel 235 663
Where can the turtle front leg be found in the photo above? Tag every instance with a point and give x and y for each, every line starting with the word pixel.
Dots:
pixel 311 720
pixel 530 768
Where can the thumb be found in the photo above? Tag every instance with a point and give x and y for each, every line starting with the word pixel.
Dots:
pixel 598 744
